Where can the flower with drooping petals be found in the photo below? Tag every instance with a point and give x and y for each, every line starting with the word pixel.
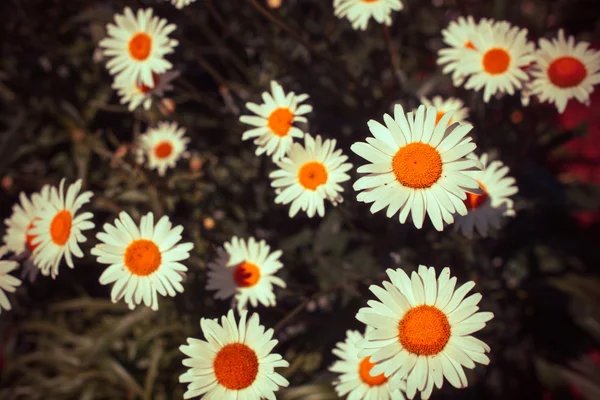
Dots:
pixel 461 113
pixel 162 146
pixel 134 94
pixel 309 175
pixel 181 3
pixel 565 69
pixel 359 12
pixel 8 283
pixel 235 360
pixel 245 271
pixel 421 330
pixel 417 167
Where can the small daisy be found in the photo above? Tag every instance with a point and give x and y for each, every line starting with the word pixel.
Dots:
pixel 137 46
pixel 162 146
pixel 58 229
pixel 356 380
pixel 181 3
pixel 358 12
pixel 8 283
pixel 234 362
pixel 565 70
pixel 274 132
pixel 136 94
pixel 488 208
pixel 459 35
pixel 245 271
pixel 309 175
pixel 417 167
pixel 422 330
pixel 497 64
pixel 461 113
pixel 143 261
pixel 18 238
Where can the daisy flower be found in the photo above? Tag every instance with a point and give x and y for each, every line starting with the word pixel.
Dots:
pixel 488 208
pixel 181 3
pixel 309 175
pixel 137 46
pixel 356 380
pixel 135 94
pixel 246 271
pixel 234 362
pixel 459 35
pixel 497 65
pixel 417 167
pixel 162 146
pixel 565 70
pixel 274 132
pixel 422 330
pixel 57 229
pixel 358 12
pixel 142 261
pixel 18 238
pixel 461 113
pixel 8 283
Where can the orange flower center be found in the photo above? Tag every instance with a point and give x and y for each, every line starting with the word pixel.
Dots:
pixel 566 72
pixel 312 175
pixel 280 121
pixel 236 366
pixel 417 165
pixel 146 89
pixel 246 274
pixel 364 371
pixel 476 200
pixel 163 149
pixel 60 227
pixel 142 257
pixel 496 61
pixel 469 45
pixel 369 1
pixel 424 330
pixel 140 45
pixel 29 238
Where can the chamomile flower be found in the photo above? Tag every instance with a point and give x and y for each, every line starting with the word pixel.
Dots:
pixel 497 64
pixel 564 70
pixel 181 3
pixel 144 260
pixel 57 229
pixel 161 147
pixel 135 94
pixel 234 362
pixel 309 175
pixel 137 46
pixel 417 167
pixel 245 271
pixel 356 380
pixel 18 238
pixel 461 113
pixel 421 330
pixel 8 283
pixel 359 12
pixel 493 204
pixel 274 131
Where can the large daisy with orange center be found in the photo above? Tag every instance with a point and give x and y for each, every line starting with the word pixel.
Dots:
pixel 234 361
pixel 355 378
pixel 135 94
pixel 245 270
pixel 359 12
pixel 443 105
pixel 309 175
pixel 57 228
pixel 488 209
pixel 162 146
pixel 143 261
pixel 137 45
pixel 417 167
pixel 420 330
pixel 498 63
pixel 565 69
pixel 274 129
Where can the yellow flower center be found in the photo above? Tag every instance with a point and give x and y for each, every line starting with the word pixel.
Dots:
pixel 364 371
pixel 142 257
pixel 236 366
pixel 417 165
pixel 496 61
pixel 246 274
pixel 566 72
pixel 140 45
pixel 424 330
pixel 60 227
pixel 280 121
pixel 312 175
